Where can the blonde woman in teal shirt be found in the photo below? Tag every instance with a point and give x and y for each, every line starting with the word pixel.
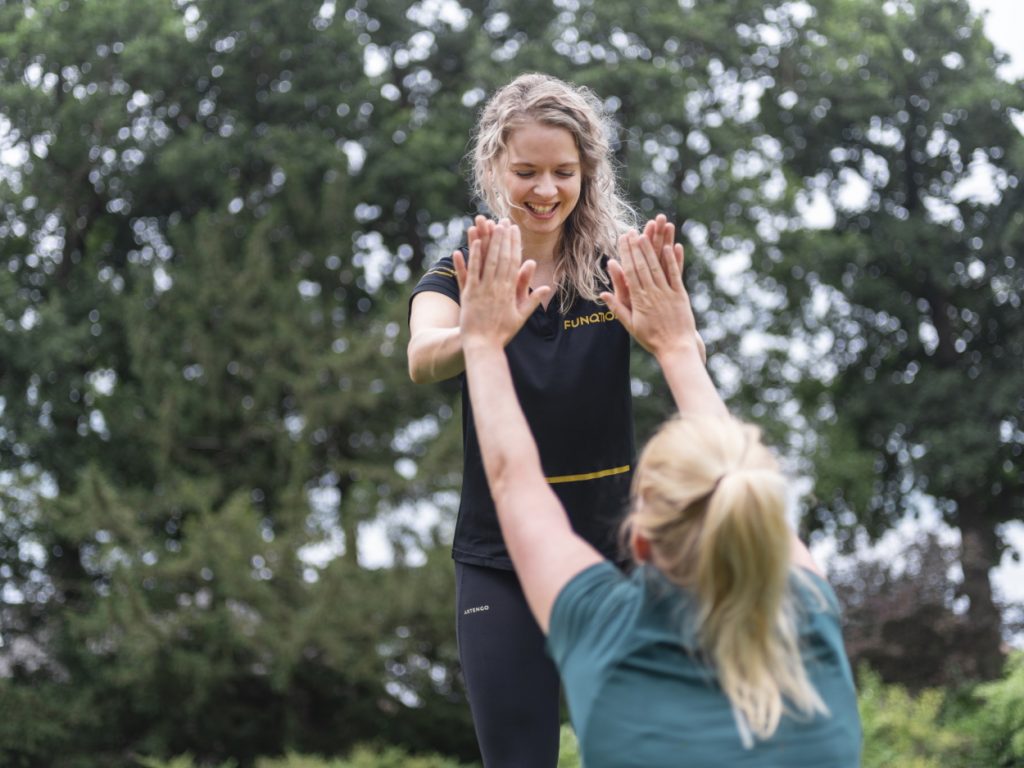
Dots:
pixel 723 646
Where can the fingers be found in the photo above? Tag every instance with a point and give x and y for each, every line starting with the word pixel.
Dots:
pixel 674 266
pixel 626 260
pixel 638 271
pixel 474 269
pixel 503 269
pixel 619 301
pixel 619 283
pixel 493 253
pixel 659 231
pixel 652 266
pixel 501 259
pixel 460 270
pixel 620 310
pixel 652 230
pixel 481 229
pixel 515 249
pixel 541 294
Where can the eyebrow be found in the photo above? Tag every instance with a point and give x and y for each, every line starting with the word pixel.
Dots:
pixel 534 165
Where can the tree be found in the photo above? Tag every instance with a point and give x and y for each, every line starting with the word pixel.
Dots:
pixel 196 346
pixel 907 309
pixel 900 617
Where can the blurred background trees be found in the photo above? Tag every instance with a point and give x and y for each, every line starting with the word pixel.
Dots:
pixel 212 213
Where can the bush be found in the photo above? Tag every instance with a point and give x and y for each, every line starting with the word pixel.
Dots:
pixel 995 727
pixel 936 728
pixel 360 757
pixel 901 729
pixel 367 757
pixel 569 749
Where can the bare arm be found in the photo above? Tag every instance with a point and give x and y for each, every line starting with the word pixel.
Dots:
pixel 435 344
pixel 544 549
pixel 662 321
pixel 660 317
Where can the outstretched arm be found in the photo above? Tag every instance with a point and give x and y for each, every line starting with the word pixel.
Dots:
pixel 661 319
pixel 544 549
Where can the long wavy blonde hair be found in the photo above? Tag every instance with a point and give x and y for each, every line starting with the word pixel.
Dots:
pixel 601 215
pixel 710 498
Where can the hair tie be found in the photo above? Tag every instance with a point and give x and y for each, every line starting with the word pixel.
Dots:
pixel 714 486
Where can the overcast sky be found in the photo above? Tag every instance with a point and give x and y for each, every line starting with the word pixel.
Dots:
pixel 1004 25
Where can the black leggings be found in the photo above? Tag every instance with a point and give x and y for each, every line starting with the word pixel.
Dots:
pixel 512 684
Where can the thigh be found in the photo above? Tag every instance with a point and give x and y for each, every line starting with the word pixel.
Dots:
pixel 512 684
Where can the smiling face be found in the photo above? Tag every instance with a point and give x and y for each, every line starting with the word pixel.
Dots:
pixel 542 177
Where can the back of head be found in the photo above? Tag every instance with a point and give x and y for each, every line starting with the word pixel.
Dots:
pixel 601 214
pixel 711 500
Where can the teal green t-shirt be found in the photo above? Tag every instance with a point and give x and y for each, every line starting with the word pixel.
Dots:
pixel 640 695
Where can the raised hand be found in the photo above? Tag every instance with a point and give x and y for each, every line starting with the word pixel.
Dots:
pixel 661 232
pixel 482 230
pixel 658 313
pixel 495 292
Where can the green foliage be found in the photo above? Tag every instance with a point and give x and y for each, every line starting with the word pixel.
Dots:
pixel 934 728
pixel 568 749
pixel 207 249
pixel 951 728
pixel 182 761
pixel 902 729
pixel 996 726
pixel 360 757
pixel 902 298
pixel 368 757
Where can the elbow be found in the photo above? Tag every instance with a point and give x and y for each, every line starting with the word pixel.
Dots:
pixel 509 479
pixel 416 369
pixel 414 373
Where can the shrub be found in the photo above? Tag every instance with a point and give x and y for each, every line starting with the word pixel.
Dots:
pixel 996 726
pixel 901 729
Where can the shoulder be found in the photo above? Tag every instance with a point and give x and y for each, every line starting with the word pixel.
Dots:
pixel 813 591
pixel 442 269
pixel 592 608
pixel 820 616
pixel 439 278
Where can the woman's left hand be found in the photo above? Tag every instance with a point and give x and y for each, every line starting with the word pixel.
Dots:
pixel 494 290
pixel 658 312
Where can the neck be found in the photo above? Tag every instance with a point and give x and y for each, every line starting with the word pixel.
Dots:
pixel 540 248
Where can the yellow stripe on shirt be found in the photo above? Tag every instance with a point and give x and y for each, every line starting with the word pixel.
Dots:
pixel 588 475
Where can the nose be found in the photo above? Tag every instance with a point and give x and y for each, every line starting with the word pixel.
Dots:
pixel 545 186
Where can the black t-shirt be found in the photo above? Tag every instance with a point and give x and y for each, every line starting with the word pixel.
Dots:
pixel 571 374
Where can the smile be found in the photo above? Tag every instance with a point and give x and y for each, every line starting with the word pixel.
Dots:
pixel 540 210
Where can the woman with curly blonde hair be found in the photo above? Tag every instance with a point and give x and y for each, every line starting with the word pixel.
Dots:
pixel 541 158
pixel 723 647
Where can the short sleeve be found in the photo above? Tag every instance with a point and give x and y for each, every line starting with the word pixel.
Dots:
pixel 817 594
pixel 590 614
pixel 822 636
pixel 440 278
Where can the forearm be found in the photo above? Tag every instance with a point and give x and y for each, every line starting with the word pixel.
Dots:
pixel 506 442
pixel 689 381
pixel 435 354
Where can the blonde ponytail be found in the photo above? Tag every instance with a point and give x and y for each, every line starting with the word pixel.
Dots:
pixel 711 500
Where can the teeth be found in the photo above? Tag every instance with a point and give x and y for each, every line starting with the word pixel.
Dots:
pixel 541 209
